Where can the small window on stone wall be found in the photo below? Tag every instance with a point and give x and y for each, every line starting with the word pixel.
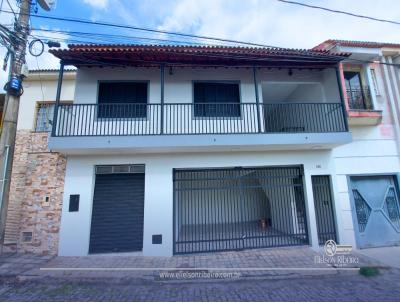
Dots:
pixel 27 236
pixel 44 117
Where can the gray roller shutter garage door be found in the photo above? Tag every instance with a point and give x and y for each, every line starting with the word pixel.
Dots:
pixel 117 217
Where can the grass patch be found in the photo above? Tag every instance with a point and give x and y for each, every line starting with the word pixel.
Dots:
pixel 368 271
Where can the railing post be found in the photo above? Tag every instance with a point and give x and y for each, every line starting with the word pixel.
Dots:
pixel 162 78
pixel 58 96
pixel 339 82
pixel 257 98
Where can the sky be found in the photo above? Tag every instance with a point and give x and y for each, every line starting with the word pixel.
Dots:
pixel 266 22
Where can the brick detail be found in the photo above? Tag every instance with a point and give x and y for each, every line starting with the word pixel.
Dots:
pixel 37 187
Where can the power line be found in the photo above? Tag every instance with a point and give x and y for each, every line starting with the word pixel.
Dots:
pixel 116 37
pixel 103 38
pixel 307 53
pixel 339 12
pixel 12 10
pixel 86 21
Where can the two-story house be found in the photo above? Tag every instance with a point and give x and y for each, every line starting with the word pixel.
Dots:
pixel 167 150
pixel 367 169
pixel 186 149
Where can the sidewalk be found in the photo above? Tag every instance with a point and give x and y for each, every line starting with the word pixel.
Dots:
pixel 273 263
pixel 388 255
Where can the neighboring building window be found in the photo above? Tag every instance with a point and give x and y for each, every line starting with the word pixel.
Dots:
pixel 216 99
pixel 359 96
pixel 122 99
pixel 375 82
pixel 44 117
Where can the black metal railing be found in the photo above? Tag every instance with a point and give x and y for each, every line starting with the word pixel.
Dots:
pixel 359 98
pixel 188 118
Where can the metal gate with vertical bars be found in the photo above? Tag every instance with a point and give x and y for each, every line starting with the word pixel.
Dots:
pixel 238 208
pixel 324 212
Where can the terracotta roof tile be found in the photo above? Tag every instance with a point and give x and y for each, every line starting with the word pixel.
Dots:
pixel 349 43
pixel 81 54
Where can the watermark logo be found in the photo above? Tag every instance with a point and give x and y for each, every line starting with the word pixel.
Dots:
pixel 330 248
pixel 336 255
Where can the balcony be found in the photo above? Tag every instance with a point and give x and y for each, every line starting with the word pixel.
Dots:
pixel 359 98
pixel 361 109
pixel 113 126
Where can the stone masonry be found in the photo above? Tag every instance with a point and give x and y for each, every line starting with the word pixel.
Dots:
pixel 37 185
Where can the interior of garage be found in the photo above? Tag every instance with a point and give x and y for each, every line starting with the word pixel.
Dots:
pixel 230 209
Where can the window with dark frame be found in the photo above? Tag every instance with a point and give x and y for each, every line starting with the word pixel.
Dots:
pixel 122 99
pixel 359 96
pixel 216 99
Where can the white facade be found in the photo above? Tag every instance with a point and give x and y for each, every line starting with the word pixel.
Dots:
pixel 273 85
pixel 375 146
pixel 41 87
pixel 372 151
pixel 158 218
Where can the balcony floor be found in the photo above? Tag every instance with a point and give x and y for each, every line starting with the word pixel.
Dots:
pixel 197 143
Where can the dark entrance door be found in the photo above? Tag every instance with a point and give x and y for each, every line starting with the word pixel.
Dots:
pixel 238 208
pixel 117 215
pixel 324 212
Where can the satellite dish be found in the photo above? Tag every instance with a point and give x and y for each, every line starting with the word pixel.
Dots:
pixel 47 4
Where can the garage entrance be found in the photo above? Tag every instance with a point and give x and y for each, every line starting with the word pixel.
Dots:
pixel 118 205
pixel 238 208
pixel 376 210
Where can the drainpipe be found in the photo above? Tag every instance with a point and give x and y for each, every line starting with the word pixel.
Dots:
pixel 58 96
pixel 392 101
pixel 257 98
pixel 162 79
pixel 339 82
pixel 4 180
pixel 370 85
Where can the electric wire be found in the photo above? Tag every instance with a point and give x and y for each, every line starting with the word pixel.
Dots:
pixel 336 11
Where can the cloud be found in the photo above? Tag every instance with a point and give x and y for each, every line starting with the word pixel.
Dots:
pixel 99 4
pixel 273 23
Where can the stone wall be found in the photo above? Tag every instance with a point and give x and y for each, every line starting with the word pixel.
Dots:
pixel 37 186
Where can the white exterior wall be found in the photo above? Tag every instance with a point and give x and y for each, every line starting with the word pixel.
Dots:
pixel 179 89
pixel 179 85
pixel 33 94
pixel 373 151
pixel 158 211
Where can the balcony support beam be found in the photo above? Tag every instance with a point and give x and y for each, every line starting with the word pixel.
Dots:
pixel 257 98
pixel 58 96
pixel 162 80
pixel 339 83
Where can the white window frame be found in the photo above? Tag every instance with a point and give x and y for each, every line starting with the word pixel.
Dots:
pixel 375 82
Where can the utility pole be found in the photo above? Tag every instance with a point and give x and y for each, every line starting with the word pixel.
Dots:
pixel 8 134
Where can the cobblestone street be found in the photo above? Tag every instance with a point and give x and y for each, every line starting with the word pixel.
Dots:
pixel 384 287
pixel 284 274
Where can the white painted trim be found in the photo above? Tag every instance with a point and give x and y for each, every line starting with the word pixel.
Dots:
pixel 371 85
pixel 310 210
pixel 392 102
